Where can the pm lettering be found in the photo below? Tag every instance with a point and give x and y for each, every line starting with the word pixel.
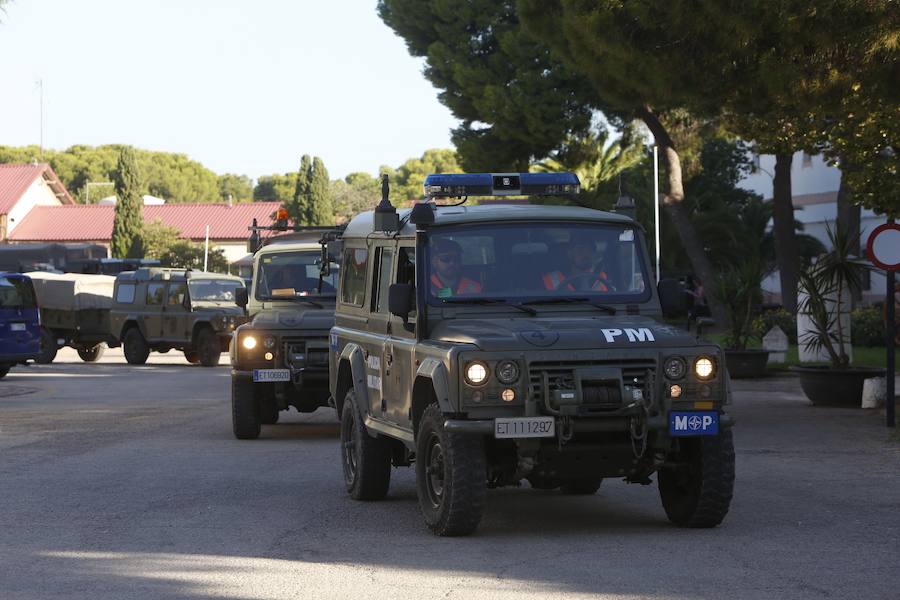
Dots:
pixel 641 334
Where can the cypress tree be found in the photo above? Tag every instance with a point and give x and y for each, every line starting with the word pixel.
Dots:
pixel 296 207
pixel 127 241
pixel 320 206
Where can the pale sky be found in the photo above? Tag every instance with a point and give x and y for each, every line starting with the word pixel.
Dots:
pixel 243 86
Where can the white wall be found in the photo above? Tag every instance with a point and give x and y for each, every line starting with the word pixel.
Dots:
pixel 807 176
pixel 38 193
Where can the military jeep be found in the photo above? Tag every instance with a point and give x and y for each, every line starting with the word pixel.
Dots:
pixel 489 345
pixel 280 358
pixel 156 309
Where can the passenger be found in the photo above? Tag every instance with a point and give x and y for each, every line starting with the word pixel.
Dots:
pixel 581 275
pixel 447 279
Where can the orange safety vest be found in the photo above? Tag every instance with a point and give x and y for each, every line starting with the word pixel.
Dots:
pixel 466 285
pixel 555 279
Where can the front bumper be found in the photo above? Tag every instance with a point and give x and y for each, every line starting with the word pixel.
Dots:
pixel 612 424
pixel 18 357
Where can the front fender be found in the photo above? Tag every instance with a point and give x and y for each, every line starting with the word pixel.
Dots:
pixel 353 355
pixel 434 370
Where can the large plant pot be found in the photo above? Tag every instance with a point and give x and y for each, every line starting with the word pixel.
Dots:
pixel 744 364
pixel 827 386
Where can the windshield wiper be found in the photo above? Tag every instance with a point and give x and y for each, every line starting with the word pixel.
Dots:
pixel 300 298
pixel 609 309
pixel 525 309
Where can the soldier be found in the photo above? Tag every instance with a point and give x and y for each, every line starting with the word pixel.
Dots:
pixel 447 279
pixel 581 275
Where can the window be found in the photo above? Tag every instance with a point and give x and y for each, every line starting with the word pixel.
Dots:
pixel 382 279
pixel 213 290
pixel 16 292
pixel 155 292
pixel 177 293
pixel 125 293
pixel 291 274
pixel 353 277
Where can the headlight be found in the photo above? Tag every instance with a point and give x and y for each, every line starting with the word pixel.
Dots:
pixel 249 342
pixel 675 367
pixel 508 372
pixel 269 342
pixel 476 373
pixel 704 367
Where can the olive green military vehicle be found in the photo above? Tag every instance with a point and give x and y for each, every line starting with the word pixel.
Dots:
pixel 281 356
pixel 490 345
pixel 158 310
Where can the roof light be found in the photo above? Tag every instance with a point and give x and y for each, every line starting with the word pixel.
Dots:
pixel 501 184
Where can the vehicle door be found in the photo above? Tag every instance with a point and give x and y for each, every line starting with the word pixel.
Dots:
pixel 20 331
pixel 378 364
pixel 152 313
pixel 400 344
pixel 176 313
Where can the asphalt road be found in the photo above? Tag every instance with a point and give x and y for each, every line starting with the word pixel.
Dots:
pixel 125 482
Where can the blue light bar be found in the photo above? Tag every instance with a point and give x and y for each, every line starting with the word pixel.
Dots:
pixel 456 185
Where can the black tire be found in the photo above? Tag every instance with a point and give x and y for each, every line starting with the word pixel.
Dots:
pixel 581 487
pixel 192 357
pixel 451 476
pixel 697 491
pixel 208 348
pixel 244 409
pixel 135 347
pixel 91 353
pixel 4 369
pixel 539 482
pixel 268 408
pixel 48 347
pixel 365 460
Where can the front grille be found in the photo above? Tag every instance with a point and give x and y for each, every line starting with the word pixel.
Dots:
pixel 598 395
pixel 305 353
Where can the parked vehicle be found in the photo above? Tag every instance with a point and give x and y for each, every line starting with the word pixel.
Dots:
pixel 20 322
pixel 41 256
pixel 74 312
pixel 163 309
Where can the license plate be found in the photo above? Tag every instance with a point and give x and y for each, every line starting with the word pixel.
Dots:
pixel 524 427
pixel 270 375
pixel 694 423
pixel 17 326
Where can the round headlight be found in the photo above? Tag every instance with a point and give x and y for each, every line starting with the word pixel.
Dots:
pixel 269 342
pixel 704 367
pixel 249 342
pixel 476 373
pixel 675 367
pixel 508 372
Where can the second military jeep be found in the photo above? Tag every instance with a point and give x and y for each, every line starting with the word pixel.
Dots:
pixel 280 358
pixel 158 310
pixel 489 345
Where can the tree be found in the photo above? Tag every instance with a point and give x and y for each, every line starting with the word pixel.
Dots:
pixel 158 238
pixel 407 179
pixel 320 206
pixel 297 207
pixel 235 188
pixel 129 220
pixel 275 187
pixel 356 193
pixel 185 254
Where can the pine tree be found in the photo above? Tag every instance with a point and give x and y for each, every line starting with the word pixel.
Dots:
pixel 319 206
pixel 128 225
pixel 296 207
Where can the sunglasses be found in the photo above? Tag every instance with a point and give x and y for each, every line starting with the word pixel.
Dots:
pixel 447 258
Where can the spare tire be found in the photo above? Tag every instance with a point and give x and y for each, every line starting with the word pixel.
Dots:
pixel 91 353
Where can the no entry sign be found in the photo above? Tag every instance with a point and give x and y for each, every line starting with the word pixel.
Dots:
pixel 883 247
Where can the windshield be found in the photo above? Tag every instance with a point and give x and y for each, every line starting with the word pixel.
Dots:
pixel 544 262
pixel 16 293
pixel 292 274
pixel 213 290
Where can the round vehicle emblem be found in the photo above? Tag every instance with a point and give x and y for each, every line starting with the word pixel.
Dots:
pixel 289 320
pixel 538 337
pixel 695 422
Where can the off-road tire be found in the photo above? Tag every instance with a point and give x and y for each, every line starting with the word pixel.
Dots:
pixel 698 493
pixel 581 487
pixel 245 420
pixel 135 347
pixel 48 348
pixel 451 476
pixel 4 369
pixel 208 348
pixel 540 482
pixel 91 353
pixel 268 408
pixel 365 460
pixel 192 357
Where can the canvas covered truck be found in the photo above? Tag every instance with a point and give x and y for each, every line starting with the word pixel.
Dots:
pixel 74 312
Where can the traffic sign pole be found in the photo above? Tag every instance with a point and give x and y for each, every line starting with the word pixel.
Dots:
pixel 890 334
pixel 883 250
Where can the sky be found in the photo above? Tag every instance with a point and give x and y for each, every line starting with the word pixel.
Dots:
pixel 242 86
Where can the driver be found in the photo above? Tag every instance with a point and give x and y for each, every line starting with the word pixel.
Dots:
pixel 581 275
pixel 447 279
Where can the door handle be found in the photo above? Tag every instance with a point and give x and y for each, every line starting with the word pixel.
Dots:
pixel 388 359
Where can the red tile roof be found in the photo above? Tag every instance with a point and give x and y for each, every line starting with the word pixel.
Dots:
pixel 93 222
pixel 16 178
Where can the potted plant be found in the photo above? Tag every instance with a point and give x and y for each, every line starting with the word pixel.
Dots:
pixel 739 289
pixel 825 287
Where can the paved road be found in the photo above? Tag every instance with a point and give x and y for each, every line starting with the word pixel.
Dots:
pixel 125 482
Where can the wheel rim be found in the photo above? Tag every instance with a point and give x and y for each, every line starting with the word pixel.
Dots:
pixel 434 471
pixel 348 445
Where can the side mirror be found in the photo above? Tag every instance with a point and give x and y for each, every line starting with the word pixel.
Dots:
pixel 240 297
pixel 671 297
pixel 186 302
pixel 400 300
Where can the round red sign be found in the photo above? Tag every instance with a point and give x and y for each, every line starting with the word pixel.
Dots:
pixel 883 247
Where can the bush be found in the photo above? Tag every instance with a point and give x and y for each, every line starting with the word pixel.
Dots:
pixel 770 318
pixel 867 327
